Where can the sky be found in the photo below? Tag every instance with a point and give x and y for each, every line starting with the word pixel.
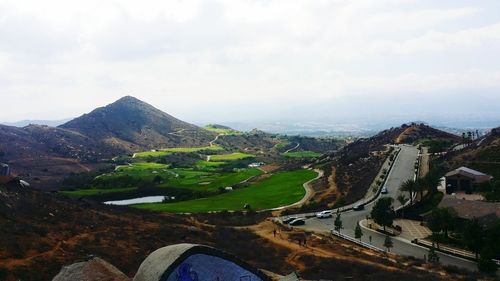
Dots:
pixel 249 61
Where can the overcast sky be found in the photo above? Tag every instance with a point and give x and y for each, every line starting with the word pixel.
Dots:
pixel 230 60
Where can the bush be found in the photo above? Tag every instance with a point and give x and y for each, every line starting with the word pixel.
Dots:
pixel 486 264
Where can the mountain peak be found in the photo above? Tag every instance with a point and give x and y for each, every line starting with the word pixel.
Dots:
pixel 132 103
pixel 135 124
pixel 128 99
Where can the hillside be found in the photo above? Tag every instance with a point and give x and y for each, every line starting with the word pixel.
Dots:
pixel 132 125
pixel 482 154
pixel 415 132
pixel 44 155
pixel 349 173
pixel 41 232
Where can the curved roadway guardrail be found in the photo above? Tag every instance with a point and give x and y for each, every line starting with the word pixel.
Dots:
pixel 359 242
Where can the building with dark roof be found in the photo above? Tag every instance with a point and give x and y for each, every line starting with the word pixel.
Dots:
pixel 487 213
pixel 464 179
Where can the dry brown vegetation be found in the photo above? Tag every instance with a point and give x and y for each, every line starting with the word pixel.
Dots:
pixel 41 232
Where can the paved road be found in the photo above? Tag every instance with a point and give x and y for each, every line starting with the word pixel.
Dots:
pixel 402 170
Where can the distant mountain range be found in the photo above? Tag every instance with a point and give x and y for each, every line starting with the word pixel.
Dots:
pixel 24 123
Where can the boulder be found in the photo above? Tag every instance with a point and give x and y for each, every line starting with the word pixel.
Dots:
pixel 95 269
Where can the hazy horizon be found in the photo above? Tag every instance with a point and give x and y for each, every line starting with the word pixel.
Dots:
pixel 359 62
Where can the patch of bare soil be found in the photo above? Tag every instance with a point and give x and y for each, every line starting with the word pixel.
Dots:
pixel 324 257
pixel 41 232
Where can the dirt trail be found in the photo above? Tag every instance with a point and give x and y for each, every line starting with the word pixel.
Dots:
pixel 293 148
pixel 214 140
pixel 176 133
pixel 283 239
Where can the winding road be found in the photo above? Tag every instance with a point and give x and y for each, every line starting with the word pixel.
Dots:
pixel 402 170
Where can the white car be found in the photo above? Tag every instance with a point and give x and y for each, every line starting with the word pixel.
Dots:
pixel 384 190
pixel 324 214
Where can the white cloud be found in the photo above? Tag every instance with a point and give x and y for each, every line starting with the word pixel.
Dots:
pixel 61 58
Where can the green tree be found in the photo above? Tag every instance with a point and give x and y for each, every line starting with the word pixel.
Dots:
pixel 402 200
pixel 383 213
pixel 441 220
pixel 434 224
pixel 431 181
pixel 486 263
pixel 491 249
pixel 338 223
pixel 388 243
pixel 420 187
pixel 473 236
pixel 358 233
pixel 432 256
pixel 410 187
pixel 157 179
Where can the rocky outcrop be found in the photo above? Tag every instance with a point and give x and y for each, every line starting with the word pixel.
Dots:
pixel 95 269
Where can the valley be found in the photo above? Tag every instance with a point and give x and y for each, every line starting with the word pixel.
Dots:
pixel 181 183
pixel 203 179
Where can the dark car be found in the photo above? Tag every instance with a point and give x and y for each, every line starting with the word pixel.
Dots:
pixel 288 219
pixel 358 207
pixel 298 222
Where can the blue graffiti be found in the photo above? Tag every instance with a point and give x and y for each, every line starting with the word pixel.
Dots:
pixel 185 273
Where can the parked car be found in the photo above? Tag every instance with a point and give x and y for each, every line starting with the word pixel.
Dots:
pixel 384 190
pixel 358 207
pixel 298 222
pixel 324 214
pixel 288 219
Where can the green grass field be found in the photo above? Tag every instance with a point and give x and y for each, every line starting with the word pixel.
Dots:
pixel 282 144
pixel 230 157
pixel 209 181
pixel 205 179
pixel 96 191
pixel 223 131
pixel 278 190
pixel 138 170
pixel 202 165
pixel 167 151
pixel 301 154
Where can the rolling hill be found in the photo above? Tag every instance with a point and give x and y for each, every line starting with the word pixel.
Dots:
pixel 350 172
pixel 482 154
pixel 131 125
pixel 43 155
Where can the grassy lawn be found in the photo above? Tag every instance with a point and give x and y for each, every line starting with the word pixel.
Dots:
pixel 230 157
pixel 208 165
pixel 146 171
pixel 280 189
pixel 206 179
pixel 167 151
pixel 209 181
pixel 96 191
pixel 222 130
pixel 301 154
